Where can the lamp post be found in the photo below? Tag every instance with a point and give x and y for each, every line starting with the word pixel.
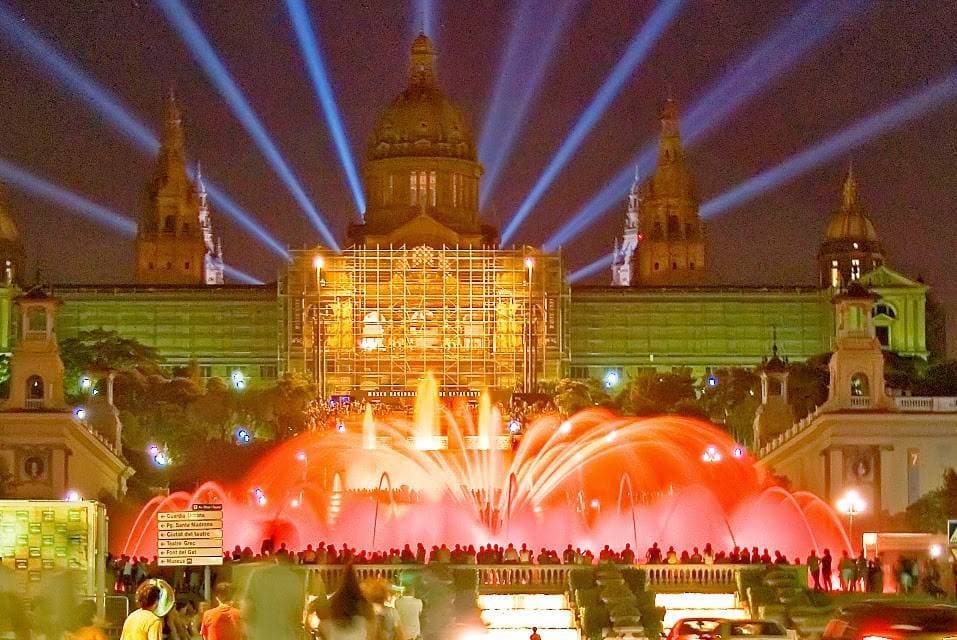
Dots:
pixel 851 504
pixel 319 363
pixel 529 338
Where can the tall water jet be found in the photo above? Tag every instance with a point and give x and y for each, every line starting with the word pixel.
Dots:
pixel 368 429
pixel 485 421
pixel 425 416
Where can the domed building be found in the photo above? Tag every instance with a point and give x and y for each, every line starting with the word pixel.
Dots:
pixel 850 248
pixel 423 287
pixel 422 171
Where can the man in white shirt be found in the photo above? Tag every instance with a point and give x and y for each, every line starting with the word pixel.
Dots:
pixel 409 609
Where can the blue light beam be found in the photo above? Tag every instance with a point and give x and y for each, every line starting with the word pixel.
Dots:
pixel 532 43
pixel 202 50
pixel 636 52
pixel 591 269
pixel 107 105
pixel 240 276
pixel 26 181
pixel 426 15
pixel 45 190
pixel 845 140
pixel 749 77
pixel 309 44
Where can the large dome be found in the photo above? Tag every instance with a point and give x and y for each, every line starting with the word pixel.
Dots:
pixel 851 222
pixel 422 121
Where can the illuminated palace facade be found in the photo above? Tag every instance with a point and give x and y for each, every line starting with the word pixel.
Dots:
pixel 423 286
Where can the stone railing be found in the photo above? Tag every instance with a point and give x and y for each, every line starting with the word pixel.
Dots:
pixel 904 404
pixel 547 577
pixel 662 578
pixel 682 577
pixel 926 404
pixel 792 431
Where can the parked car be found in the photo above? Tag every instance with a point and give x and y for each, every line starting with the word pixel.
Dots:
pixel 876 620
pixel 692 628
pixel 751 629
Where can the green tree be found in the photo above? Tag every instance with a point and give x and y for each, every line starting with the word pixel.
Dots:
pixel 807 384
pixel 939 380
pixel 285 408
pixel 572 396
pixel 930 513
pixel 733 400
pixel 656 392
pixel 99 350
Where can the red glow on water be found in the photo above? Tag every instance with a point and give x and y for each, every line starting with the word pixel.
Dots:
pixel 579 482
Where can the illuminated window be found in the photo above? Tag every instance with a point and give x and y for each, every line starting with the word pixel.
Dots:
pixel 35 388
pixel 860 388
pixel 855 269
pixel 458 189
pixel 432 188
pixel 373 332
pixel 835 274
pixel 422 188
pixel 388 189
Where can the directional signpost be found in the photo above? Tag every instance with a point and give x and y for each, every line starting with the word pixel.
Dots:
pixel 191 538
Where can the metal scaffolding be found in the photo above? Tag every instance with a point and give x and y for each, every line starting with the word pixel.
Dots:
pixel 377 319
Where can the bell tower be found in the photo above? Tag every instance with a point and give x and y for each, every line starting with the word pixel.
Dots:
pixel 857 364
pixel 170 247
pixel 670 233
pixel 36 370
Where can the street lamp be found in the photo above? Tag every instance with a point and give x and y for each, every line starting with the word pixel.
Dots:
pixel 851 504
pixel 529 338
pixel 320 352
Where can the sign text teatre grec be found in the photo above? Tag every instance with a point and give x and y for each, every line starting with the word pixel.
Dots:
pixel 190 538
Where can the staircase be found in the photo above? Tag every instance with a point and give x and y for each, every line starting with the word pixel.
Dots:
pixel 512 616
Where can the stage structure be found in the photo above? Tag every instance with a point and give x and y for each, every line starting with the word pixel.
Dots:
pixel 375 320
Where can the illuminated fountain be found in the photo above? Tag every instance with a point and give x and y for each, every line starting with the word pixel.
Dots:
pixel 445 477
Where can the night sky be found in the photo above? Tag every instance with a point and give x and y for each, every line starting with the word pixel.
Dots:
pixel 908 177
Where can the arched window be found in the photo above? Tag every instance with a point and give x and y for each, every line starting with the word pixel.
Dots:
pixel 35 388
pixel 169 224
pixel 883 309
pixel 860 387
pixel 674 227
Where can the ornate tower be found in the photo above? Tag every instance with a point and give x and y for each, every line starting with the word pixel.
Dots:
pixel 850 248
pixel 857 364
pixel 623 258
pixel 36 370
pixel 422 171
pixel 213 262
pixel 670 233
pixel 170 248
pixel 775 415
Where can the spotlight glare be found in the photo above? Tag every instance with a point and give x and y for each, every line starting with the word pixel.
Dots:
pixel 536 30
pixel 39 187
pixel 589 270
pixel 846 139
pixel 426 12
pixel 515 427
pixel 309 44
pixel 638 48
pixel 749 76
pixel 191 34
pixel 240 276
pixel 79 413
pixel 72 496
pixel 86 382
pixel 78 83
pixel 565 428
